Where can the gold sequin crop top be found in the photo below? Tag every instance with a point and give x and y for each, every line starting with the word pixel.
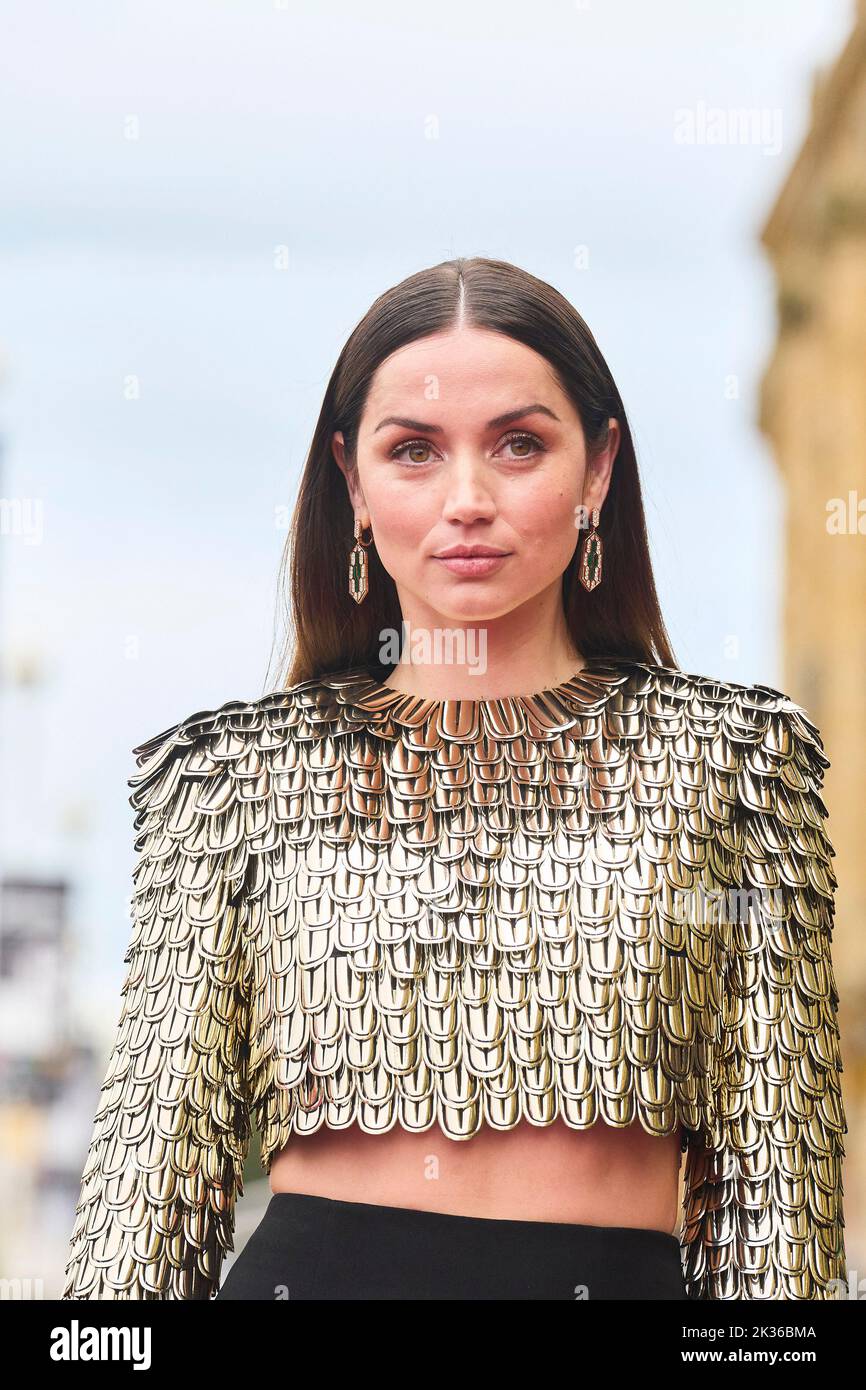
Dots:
pixel 610 901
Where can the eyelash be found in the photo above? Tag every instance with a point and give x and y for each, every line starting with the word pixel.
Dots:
pixel 514 434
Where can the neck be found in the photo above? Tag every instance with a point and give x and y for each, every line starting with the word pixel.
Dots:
pixel 518 674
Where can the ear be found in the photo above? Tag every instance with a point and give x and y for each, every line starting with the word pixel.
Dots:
pixel 353 481
pixel 599 470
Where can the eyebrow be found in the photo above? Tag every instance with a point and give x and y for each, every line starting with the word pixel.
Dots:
pixel 495 423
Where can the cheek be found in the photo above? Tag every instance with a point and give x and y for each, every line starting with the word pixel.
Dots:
pixel 546 515
pixel 401 518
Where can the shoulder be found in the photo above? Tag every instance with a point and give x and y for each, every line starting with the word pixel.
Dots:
pixel 757 730
pixel 672 683
pixel 751 703
pixel 209 741
pixel 763 756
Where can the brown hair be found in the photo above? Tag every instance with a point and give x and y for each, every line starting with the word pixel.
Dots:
pixel 621 617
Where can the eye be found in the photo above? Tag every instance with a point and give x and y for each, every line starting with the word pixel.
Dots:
pixel 520 438
pixel 524 437
pixel 410 444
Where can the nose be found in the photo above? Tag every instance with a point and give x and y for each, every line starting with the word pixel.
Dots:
pixel 468 497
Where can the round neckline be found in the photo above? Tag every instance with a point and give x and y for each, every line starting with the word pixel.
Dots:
pixel 547 712
pixel 564 687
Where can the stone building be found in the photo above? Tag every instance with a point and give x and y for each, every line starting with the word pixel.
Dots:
pixel 813 412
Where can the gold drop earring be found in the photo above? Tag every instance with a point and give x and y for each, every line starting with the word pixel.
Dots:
pixel 590 564
pixel 358 567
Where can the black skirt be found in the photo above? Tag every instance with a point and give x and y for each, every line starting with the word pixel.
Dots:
pixel 318 1248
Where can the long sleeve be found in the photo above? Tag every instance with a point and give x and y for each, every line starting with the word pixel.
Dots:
pixel 763 1211
pixel 155 1215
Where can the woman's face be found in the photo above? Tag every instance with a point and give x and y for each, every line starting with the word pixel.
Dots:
pixel 467 439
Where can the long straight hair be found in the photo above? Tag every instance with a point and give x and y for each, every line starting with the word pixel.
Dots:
pixel 331 632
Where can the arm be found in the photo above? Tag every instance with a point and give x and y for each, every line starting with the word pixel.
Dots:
pixel 763 1215
pixel 155 1215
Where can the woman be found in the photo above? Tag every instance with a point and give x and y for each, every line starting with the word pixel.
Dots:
pixel 485 927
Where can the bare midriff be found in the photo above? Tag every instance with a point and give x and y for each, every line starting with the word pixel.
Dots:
pixel 601 1176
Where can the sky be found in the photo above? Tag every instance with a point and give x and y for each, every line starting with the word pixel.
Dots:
pixel 198 203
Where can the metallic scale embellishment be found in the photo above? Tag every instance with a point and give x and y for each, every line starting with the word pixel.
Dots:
pixel 355 906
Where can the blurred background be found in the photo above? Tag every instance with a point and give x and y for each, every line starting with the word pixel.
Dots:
pixel 197 204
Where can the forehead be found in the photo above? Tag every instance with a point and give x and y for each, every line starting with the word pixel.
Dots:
pixel 468 367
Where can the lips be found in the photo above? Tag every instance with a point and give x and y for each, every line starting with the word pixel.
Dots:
pixel 474 565
pixel 468 552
